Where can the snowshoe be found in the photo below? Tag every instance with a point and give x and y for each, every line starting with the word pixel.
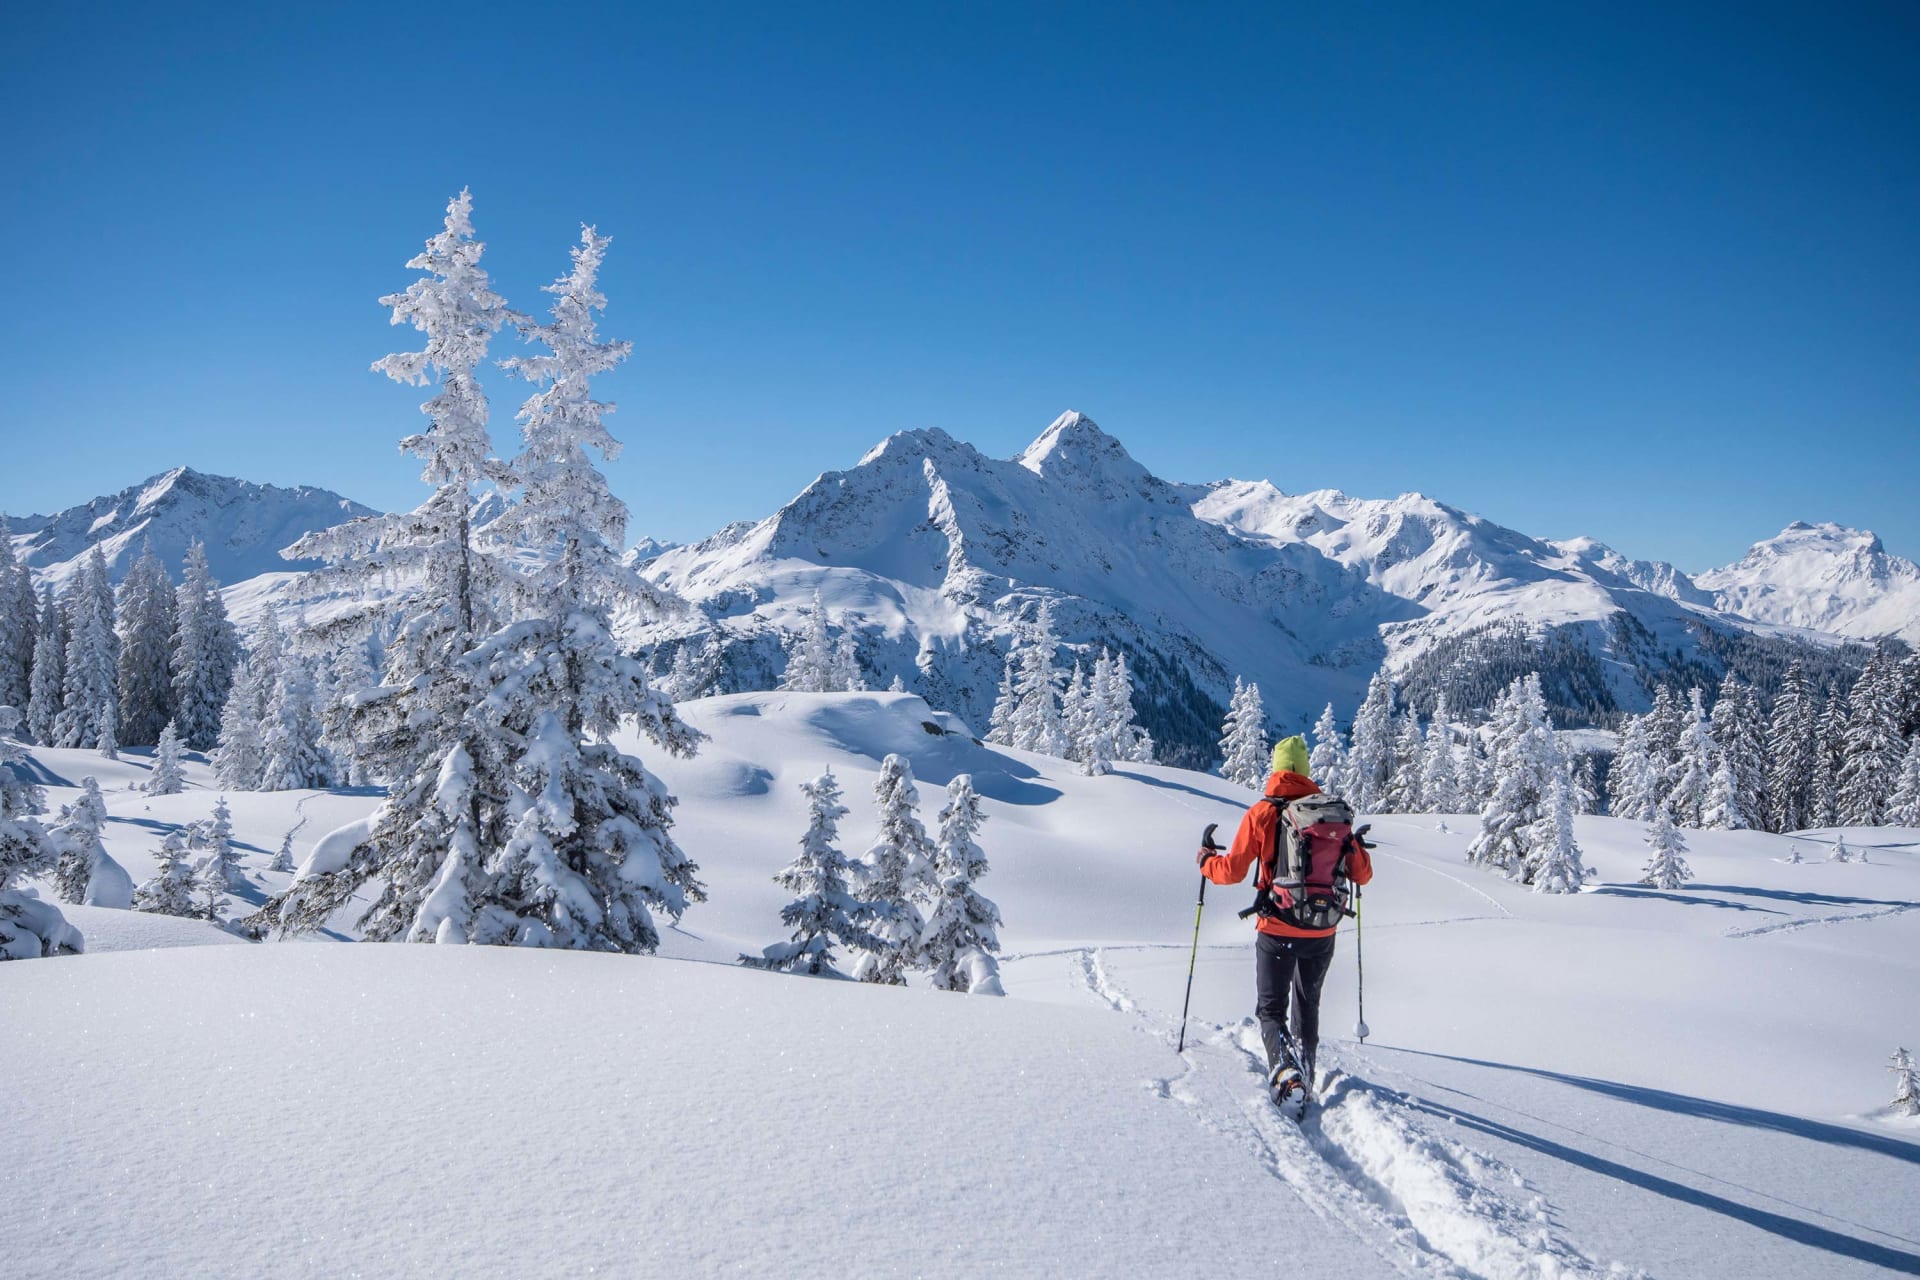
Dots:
pixel 1288 1089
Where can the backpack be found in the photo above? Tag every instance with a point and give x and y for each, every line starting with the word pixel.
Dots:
pixel 1304 882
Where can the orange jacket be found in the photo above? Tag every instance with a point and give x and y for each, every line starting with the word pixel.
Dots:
pixel 1253 844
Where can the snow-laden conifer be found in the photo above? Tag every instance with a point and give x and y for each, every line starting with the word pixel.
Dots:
pixel 90 700
pixel 1408 747
pixel 810 653
pixel 1527 764
pixel 29 927
pixel 1633 782
pixel 1100 729
pixel 1721 810
pixel 847 675
pixel 1792 739
pixel 695 671
pixel 19 618
pixel 958 941
pixel 824 913
pixel 146 624
pixel 1665 723
pixel 171 890
pixel 1554 864
pixel 283 856
pixel 205 651
pixel 897 876
pixel 1000 720
pixel 1838 851
pixel 295 758
pixel 168 777
pixel 1132 744
pixel 1823 790
pixel 1583 785
pixel 1906 1084
pixel 1329 758
pixel 1666 866
pixel 239 756
pixel 1034 723
pixel 1439 772
pixel 1740 734
pixel 219 871
pixel 1076 714
pixel 85 874
pixel 1692 769
pixel 47 684
pixel 1872 750
pixel 1370 761
pixel 1243 738
pixel 1903 809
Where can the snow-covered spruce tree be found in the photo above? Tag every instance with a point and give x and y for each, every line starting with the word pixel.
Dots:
pixel 1000 720
pixel 695 671
pixel 49 679
pixel 824 913
pixel 1792 737
pixel 205 651
pixel 85 874
pixel 897 876
pixel 958 941
pixel 1098 742
pixel 810 653
pixel 29 927
pixel 349 674
pixel 295 758
pixel 1243 737
pixel 90 701
pixel 1692 770
pixel 1034 724
pixel 846 660
pixel 146 625
pixel 220 870
pixel 1872 750
pixel 19 616
pixel 1666 868
pixel 1076 714
pixel 1370 762
pixel 1903 810
pixel 1838 851
pixel 1740 732
pixel 1633 782
pixel 1404 794
pixel 418 729
pixel 1583 785
pixel 239 757
pixel 168 777
pixel 589 854
pixel 1439 774
pixel 1721 810
pixel 1527 762
pixel 283 856
pixel 171 890
pixel 1132 744
pixel 1554 864
pixel 1906 1084
pixel 1329 758
pixel 1665 724
pixel 1823 792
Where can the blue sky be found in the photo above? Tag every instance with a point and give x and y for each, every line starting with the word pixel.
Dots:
pixel 1649 273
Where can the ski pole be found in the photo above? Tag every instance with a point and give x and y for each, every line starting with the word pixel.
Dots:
pixel 1360 964
pixel 1206 842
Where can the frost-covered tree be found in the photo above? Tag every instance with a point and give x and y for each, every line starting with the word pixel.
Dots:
pixel 1329 758
pixel 171 890
pixel 1034 722
pixel 1098 743
pixel 1792 744
pixel 283 856
pixel 1872 750
pixel 1243 737
pixel 1903 809
pixel 1721 810
pixel 1666 722
pixel 205 651
pixel 1906 1084
pixel 90 702
pixel 29 927
pixel 1583 785
pixel 239 756
pixel 1076 714
pixel 1554 864
pixel 958 941
pixel 824 913
pixel 897 876
pixel 1666 867
pixel 846 661
pixel 1132 744
pixel 295 758
pixel 1687 777
pixel 1408 748
pixel 146 624
pixel 1740 733
pixel 695 671
pixel 1838 851
pixel 168 777
pixel 349 674
pixel 220 869
pixel 19 617
pixel 1527 763
pixel 1000 720
pixel 1370 762
pixel 1823 792
pixel 48 681
pixel 85 874
pixel 1633 783
pixel 810 653
pixel 1439 773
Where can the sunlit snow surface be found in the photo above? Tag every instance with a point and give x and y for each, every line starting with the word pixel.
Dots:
pixel 1686 1083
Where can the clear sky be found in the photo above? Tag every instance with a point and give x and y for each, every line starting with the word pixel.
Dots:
pixel 1649 273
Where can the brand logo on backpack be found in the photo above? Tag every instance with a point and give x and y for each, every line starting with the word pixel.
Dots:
pixel 1304 883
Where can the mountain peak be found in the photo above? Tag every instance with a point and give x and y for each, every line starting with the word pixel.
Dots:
pixel 1074 444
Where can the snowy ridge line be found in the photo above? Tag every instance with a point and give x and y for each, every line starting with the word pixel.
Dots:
pixel 1812 922
pixel 1427 1206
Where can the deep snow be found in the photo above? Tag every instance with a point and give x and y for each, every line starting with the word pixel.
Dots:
pixel 1689 1083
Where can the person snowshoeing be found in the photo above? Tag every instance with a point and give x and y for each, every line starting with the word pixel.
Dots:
pixel 1310 839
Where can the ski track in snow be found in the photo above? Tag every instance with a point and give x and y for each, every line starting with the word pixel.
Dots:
pixel 1360 1160
pixel 1814 922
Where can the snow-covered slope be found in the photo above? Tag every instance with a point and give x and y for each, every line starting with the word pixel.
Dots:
pixel 1826 577
pixel 243 524
pixel 1687 1082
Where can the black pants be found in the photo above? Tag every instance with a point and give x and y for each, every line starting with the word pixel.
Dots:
pixel 1295 966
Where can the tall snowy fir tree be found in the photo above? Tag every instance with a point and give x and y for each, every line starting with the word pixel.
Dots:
pixel 1906 1084
pixel 1404 793
pixel 205 651
pixel 1740 733
pixel 1527 764
pixel 1033 722
pixel 1823 790
pixel 1370 760
pixel 1132 743
pixel 1666 868
pixel 19 618
pixel 897 876
pixel 589 855
pixel 169 776
pixel 1722 810
pixel 90 700
pixel 1076 714
pixel 1687 777
pixel 1792 742
pixel 1554 864
pixel 1439 773
pixel 48 682
pixel 294 758
pixel 1632 783
pixel 958 941
pixel 239 756
pixel 1329 759
pixel 171 890
pixel 220 871
pixel 1903 809
pixel 1243 738
pixel 824 914
pixel 1665 724
pixel 811 666
pixel 1872 750
pixel 85 874
pixel 1095 740
pixel 146 625
pixel 29 927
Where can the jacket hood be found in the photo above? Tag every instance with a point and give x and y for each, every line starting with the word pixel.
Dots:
pixel 1287 785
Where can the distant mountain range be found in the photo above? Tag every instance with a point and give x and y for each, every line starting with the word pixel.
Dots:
pixel 935 552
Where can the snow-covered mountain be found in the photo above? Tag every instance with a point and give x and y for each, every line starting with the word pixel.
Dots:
pixel 243 524
pixel 1826 577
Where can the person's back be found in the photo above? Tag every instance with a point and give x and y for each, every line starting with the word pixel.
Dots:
pixel 1292 951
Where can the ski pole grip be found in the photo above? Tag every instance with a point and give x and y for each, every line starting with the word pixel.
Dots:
pixel 1206 837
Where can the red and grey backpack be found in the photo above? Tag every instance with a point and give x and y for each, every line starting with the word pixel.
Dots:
pixel 1303 882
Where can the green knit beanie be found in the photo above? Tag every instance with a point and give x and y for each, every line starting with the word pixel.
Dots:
pixel 1290 755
